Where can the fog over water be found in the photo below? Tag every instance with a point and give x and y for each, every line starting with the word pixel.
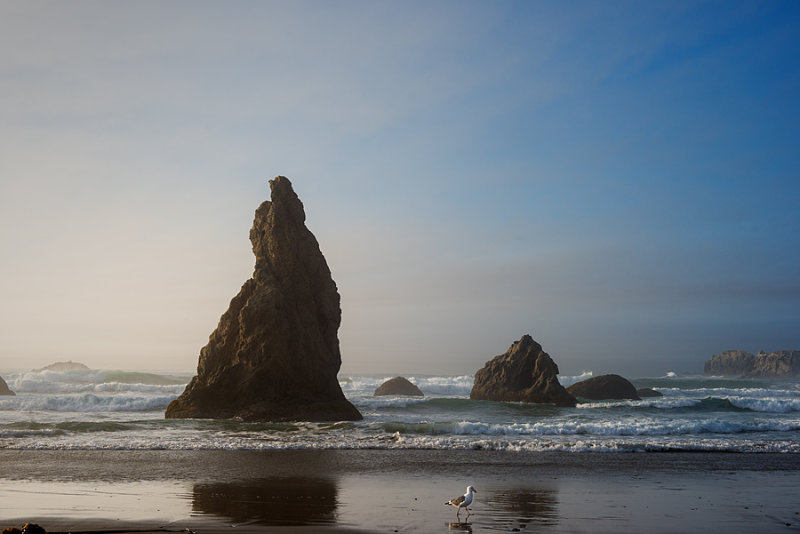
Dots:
pixel 618 180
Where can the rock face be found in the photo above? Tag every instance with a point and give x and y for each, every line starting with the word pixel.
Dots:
pixel 275 353
pixel 604 387
pixel 398 386
pixel 648 392
pixel 4 388
pixel 64 366
pixel 740 364
pixel 525 373
pixel 730 363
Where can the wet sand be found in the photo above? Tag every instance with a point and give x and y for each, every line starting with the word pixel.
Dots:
pixel 399 491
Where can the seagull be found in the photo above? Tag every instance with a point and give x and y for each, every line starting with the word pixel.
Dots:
pixel 462 501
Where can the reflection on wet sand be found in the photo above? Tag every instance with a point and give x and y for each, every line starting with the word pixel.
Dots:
pixel 291 501
pixel 523 507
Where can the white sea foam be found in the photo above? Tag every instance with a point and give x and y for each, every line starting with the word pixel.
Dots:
pixel 451 386
pixel 86 402
pixel 383 402
pixel 690 416
pixel 623 427
pixel 773 405
pixel 96 381
pixel 401 441
pixel 650 402
pixel 731 392
pixel 429 385
pixel 568 380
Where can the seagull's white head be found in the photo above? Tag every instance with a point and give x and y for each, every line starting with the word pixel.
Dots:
pixel 470 489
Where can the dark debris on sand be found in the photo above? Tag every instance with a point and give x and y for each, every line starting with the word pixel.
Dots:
pixel 27 528
pixel 33 528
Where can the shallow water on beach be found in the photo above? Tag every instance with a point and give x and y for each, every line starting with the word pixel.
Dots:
pixel 404 491
pixel 125 410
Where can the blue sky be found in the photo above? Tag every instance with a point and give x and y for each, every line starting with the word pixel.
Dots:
pixel 618 179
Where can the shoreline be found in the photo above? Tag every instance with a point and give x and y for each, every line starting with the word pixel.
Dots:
pixel 350 491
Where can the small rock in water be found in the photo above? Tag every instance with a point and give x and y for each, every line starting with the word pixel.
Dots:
pixel 604 387
pixel 398 386
pixel 648 392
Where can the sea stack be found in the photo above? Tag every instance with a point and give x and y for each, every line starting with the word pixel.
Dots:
pixel 398 385
pixel 63 367
pixel 275 353
pixel 4 388
pixel 525 373
pixel 605 387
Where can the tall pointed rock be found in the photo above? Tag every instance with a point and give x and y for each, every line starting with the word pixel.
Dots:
pixel 275 353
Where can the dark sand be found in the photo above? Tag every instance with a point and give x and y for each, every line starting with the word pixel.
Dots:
pixel 399 491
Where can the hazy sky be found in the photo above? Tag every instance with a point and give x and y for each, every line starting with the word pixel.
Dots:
pixel 621 180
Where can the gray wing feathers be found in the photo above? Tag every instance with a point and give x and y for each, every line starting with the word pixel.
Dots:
pixel 456 501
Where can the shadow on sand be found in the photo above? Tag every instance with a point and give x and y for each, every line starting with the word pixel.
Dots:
pixel 292 501
pixel 523 507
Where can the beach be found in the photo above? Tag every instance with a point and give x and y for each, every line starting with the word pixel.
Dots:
pixel 91 451
pixel 399 491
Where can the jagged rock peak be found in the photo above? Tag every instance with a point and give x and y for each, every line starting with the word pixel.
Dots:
pixel 4 390
pixel 275 353
pixel 525 373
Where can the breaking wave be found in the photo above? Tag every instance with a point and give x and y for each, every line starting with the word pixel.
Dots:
pixel 125 410
pixel 86 402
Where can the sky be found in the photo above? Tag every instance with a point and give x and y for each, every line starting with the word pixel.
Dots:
pixel 620 180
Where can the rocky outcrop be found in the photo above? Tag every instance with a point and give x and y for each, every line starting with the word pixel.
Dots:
pixel 604 387
pixel 4 388
pixel 275 353
pixel 62 367
pixel 398 386
pixel 740 364
pixel 648 392
pixel 730 363
pixel 525 373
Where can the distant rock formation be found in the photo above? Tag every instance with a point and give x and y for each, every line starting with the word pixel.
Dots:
pixel 63 367
pixel 525 373
pixel 648 392
pixel 4 388
pixel 398 386
pixel 730 363
pixel 604 387
pixel 741 364
pixel 275 353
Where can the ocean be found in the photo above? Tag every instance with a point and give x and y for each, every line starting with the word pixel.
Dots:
pixel 124 410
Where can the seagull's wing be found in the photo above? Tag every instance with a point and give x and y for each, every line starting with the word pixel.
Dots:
pixel 455 502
